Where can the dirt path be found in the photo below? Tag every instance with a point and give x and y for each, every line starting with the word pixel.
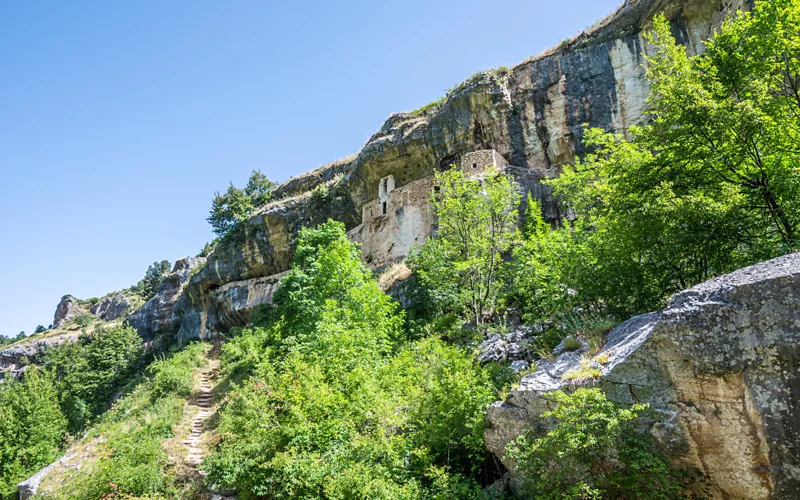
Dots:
pixel 205 401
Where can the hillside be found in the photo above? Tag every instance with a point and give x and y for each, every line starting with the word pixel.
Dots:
pixel 574 278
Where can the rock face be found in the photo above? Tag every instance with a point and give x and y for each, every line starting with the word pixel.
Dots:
pixel 158 314
pixel 530 117
pixel 721 368
pixel 15 358
pixel 112 307
pixel 68 308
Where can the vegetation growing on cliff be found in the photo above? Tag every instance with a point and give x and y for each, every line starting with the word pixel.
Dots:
pixel 337 393
pixel 236 205
pixel 335 401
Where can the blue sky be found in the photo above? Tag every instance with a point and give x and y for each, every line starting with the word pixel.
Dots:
pixel 120 119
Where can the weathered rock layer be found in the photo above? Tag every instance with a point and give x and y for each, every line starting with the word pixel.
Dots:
pixel 721 368
pixel 532 116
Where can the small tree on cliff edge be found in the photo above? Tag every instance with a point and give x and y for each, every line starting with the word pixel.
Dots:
pixel 477 224
pixel 236 205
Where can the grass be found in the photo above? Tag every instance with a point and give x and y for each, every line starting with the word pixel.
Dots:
pixel 429 107
pixel 125 452
pixel 572 344
pixel 392 274
pixel 586 371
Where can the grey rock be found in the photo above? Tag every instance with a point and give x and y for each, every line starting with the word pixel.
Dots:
pixel 28 488
pixel 158 314
pixel 519 365
pixel 112 307
pixel 67 308
pixel 720 367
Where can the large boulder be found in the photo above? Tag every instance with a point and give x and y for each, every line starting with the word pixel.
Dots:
pixel 67 308
pixel 112 307
pixel 157 315
pixel 721 368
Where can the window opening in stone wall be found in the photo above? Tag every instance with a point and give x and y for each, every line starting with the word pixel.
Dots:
pixel 474 165
pixel 383 208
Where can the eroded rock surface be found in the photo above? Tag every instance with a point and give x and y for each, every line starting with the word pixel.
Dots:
pixel 158 314
pixel 67 308
pixel 721 368
pixel 531 116
pixel 112 307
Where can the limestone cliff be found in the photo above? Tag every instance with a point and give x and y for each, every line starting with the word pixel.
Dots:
pixel 721 368
pixel 530 117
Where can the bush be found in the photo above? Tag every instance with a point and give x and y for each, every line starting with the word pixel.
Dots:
pixel 174 375
pixel 333 403
pixel 593 451
pixel 89 371
pixel 131 459
pixel 84 320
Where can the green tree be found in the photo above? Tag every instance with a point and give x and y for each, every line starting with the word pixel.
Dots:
pixel 476 225
pixel 326 409
pixel 731 117
pixel 32 427
pixel 153 277
pixel 39 329
pixel 592 452
pixel 229 209
pixel 89 371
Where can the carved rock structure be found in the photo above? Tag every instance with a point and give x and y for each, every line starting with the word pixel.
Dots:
pixel 528 120
pixel 721 368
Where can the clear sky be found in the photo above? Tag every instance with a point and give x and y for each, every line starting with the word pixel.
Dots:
pixel 118 120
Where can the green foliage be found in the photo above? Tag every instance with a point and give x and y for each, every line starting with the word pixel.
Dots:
pixel 709 186
pixel 39 329
pixel 174 375
pixel 148 286
pixel 32 427
pixel 429 107
pixel 461 267
pixel 593 451
pixel 333 404
pixel 85 319
pixel 228 210
pixel 208 248
pixel 320 192
pixel 89 371
pixel 131 459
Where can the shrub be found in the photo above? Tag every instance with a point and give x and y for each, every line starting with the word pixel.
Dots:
pixel 174 374
pixel 228 210
pixel 84 320
pixel 89 371
pixel 593 451
pixel 148 286
pixel 320 192
pixel 332 404
pixel 461 267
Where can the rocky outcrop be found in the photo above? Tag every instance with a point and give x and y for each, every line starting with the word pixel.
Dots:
pixel 28 488
pixel 16 357
pixel 221 308
pixel 68 308
pixel 533 115
pixel 720 367
pixel 112 307
pixel 158 314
